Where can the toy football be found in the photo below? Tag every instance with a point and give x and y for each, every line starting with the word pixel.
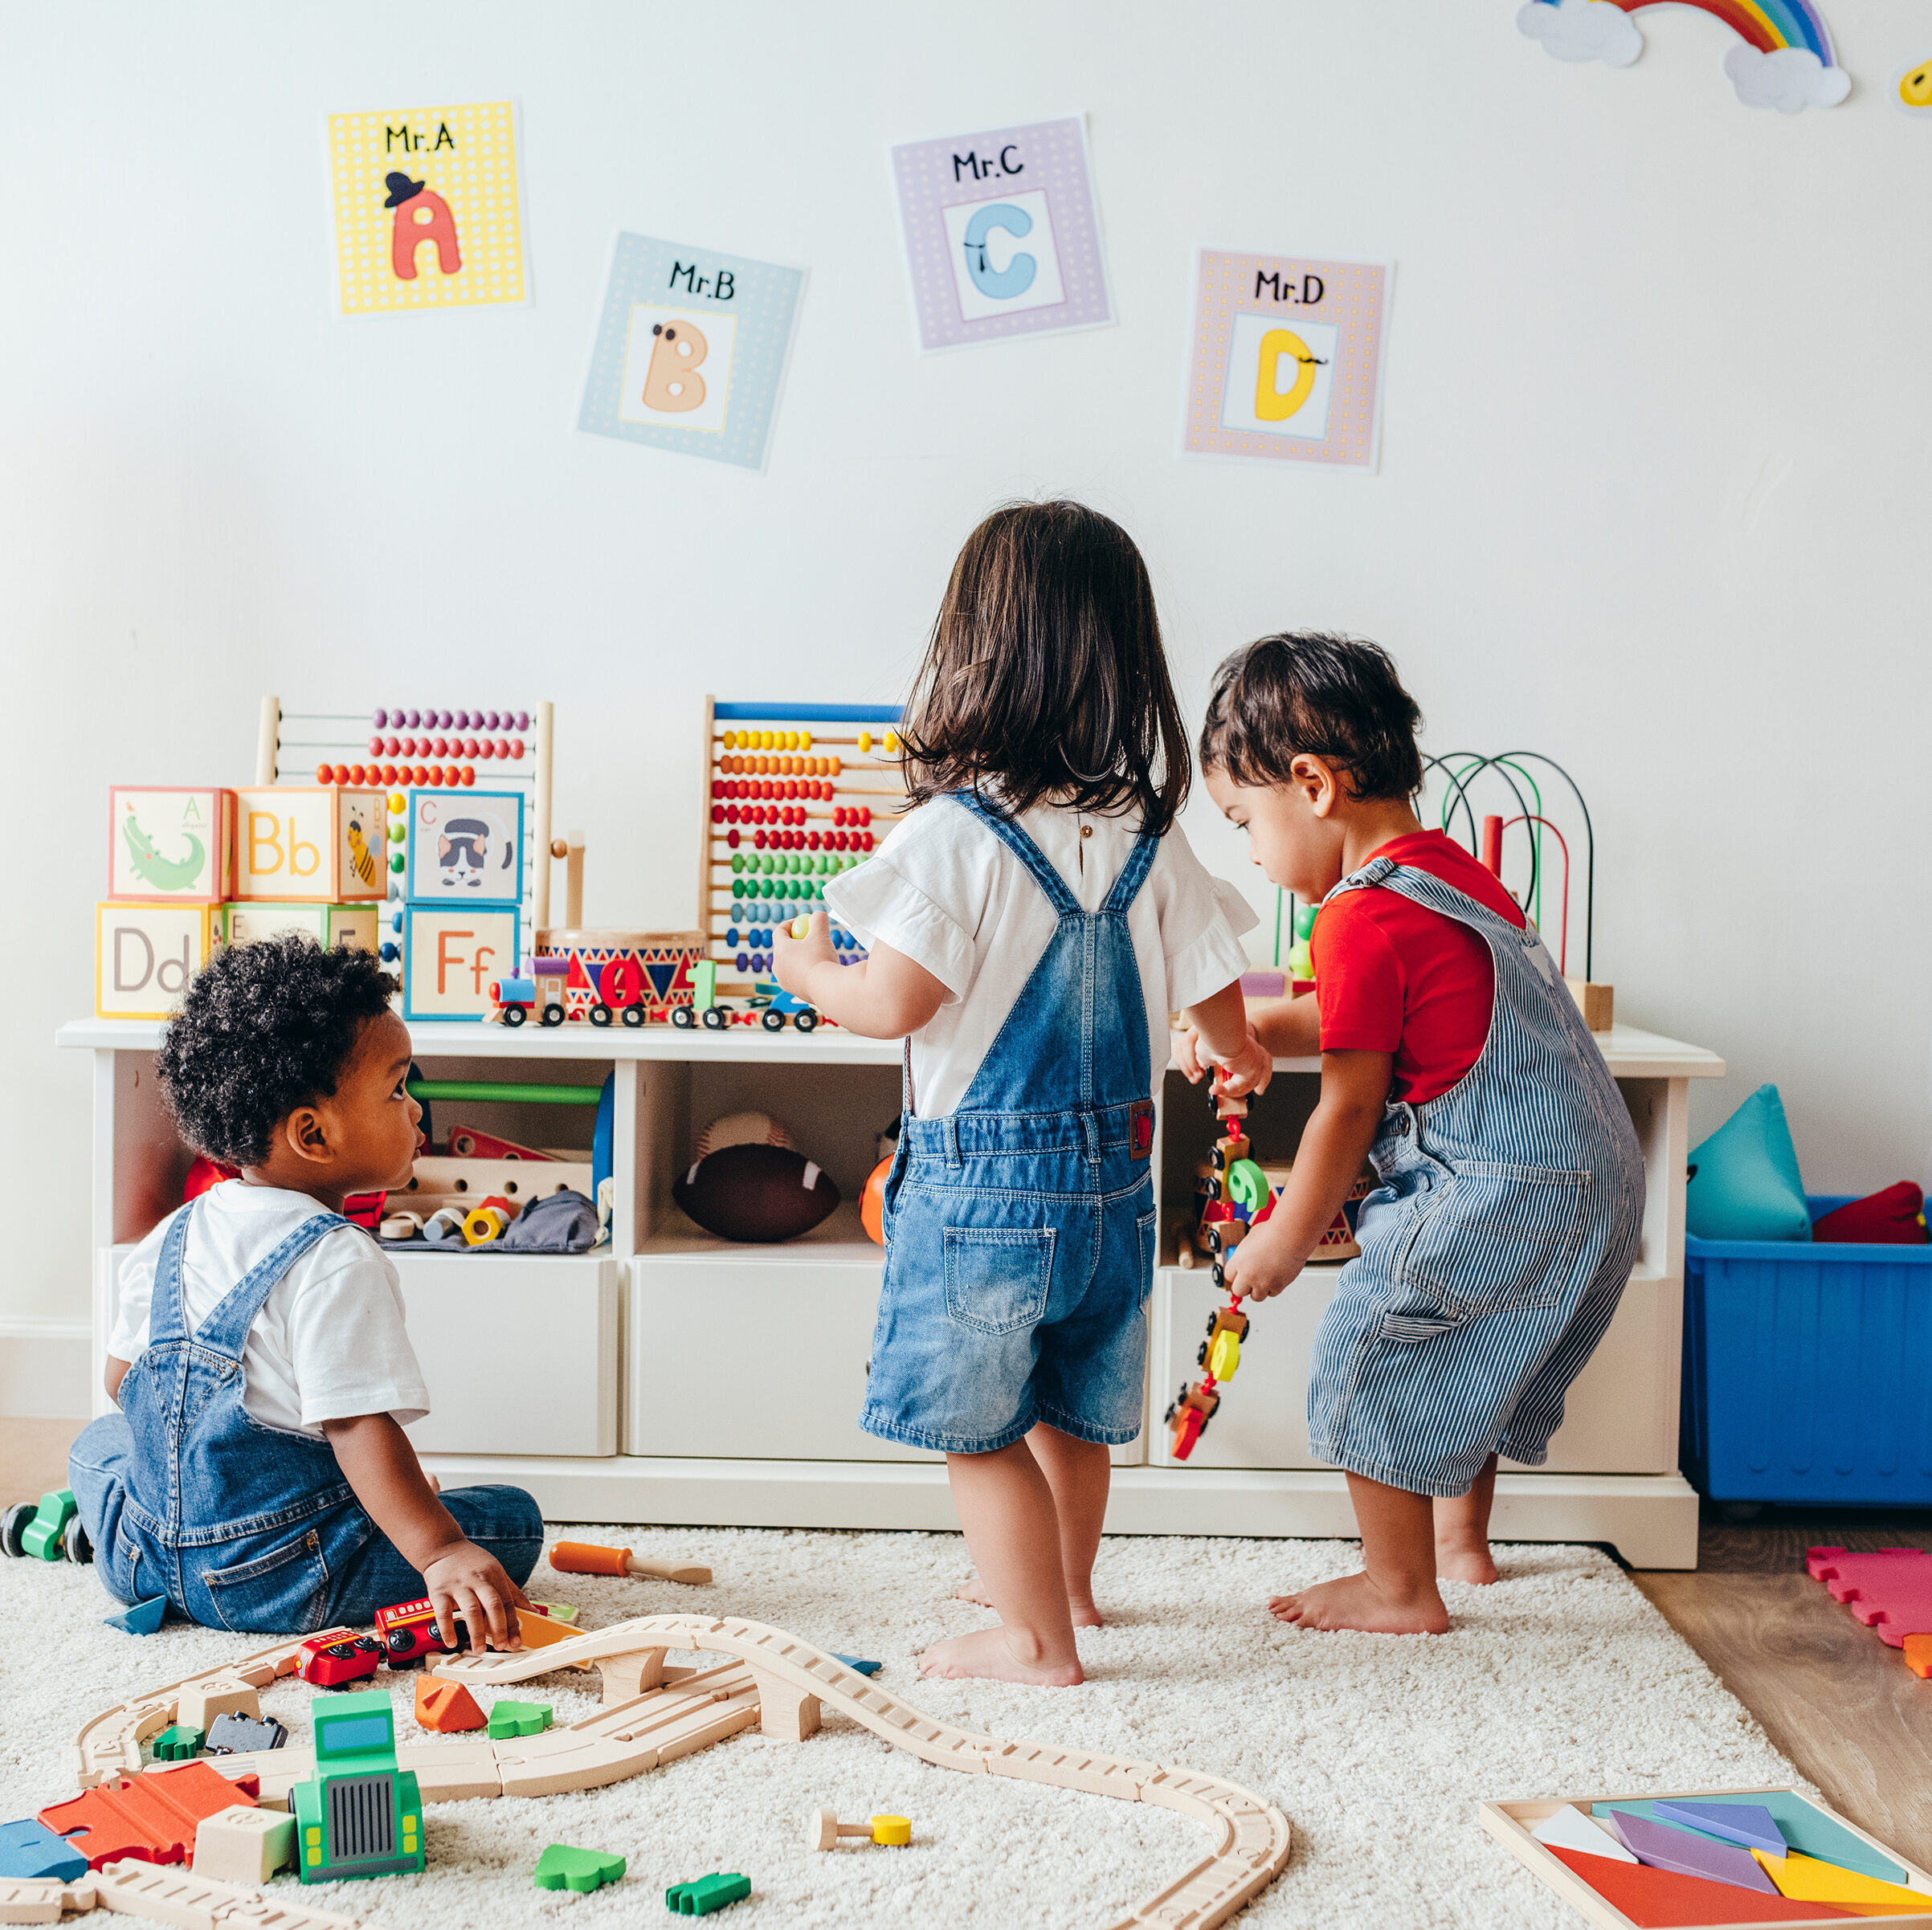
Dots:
pixel 756 1193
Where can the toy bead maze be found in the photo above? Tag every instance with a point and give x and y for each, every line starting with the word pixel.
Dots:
pixel 795 793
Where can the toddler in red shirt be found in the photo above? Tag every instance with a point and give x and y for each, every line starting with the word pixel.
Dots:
pixel 1498 1242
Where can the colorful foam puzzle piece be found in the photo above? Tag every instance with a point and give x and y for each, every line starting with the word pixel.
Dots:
pixel 232 1733
pixel 179 1744
pixel 507 1718
pixel 1889 1590
pixel 1805 1879
pixel 1569 1829
pixel 152 1816
pixel 448 1706
pixel 41 1542
pixel 1802 1825
pixel 560 1867
pixel 1662 1847
pixel 139 1617
pixel 1656 1898
pixel 1918 1655
pixel 709 1893
pixel 856 1662
pixel 29 1850
pixel 1749 1824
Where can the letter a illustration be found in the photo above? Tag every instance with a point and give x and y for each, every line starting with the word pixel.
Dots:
pixel 422 214
pixel 671 383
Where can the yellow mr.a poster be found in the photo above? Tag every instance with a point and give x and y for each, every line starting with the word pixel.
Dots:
pixel 428 208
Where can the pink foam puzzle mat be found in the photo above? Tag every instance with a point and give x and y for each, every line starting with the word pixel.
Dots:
pixel 1889 1590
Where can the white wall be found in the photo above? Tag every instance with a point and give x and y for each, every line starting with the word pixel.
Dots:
pixel 1653 494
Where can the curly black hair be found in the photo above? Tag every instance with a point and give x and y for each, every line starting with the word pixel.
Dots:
pixel 1309 691
pixel 265 1028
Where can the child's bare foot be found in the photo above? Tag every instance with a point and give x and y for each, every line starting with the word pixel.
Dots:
pixel 1085 1615
pixel 1355 1601
pixel 1464 1561
pixel 988 1653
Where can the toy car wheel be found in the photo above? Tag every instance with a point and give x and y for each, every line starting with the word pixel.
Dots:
pixel 600 1014
pixel 715 1019
pixel 74 1544
pixel 681 1016
pixel 552 1015
pixel 14 1527
pixel 806 1022
pixel 1200 1359
pixel 633 1015
pixel 773 1021
pixel 400 1644
pixel 514 1016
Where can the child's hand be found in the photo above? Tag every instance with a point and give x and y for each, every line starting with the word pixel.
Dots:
pixel 466 1581
pixel 1188 1057
pixel 1258 1269
pixel 793 958
pixel 1249 1071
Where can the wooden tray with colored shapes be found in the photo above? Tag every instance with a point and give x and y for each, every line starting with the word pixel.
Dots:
pixel 1626 1896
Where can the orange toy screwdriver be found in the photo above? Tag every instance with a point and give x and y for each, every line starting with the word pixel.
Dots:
pixel 587 1558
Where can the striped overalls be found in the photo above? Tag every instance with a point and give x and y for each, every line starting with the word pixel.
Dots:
pixel 1497 1246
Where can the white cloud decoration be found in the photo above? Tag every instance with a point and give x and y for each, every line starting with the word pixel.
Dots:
pixel 1582 30
pixel 1790 79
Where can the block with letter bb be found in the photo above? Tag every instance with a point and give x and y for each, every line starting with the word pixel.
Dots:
pixel 465 847
pixel 322 844
pixel 451 957
pixel 170 844
pixel 145 954
pixel 331 926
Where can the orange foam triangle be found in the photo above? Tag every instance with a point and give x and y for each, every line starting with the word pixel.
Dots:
pixel 447 1706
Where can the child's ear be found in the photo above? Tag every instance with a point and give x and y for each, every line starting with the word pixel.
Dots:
pixel 1316 780
pixel 306 1137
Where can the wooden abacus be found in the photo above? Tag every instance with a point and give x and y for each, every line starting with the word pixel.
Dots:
pixel 788 805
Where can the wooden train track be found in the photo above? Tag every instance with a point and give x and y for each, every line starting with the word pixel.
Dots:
pixel 652 1714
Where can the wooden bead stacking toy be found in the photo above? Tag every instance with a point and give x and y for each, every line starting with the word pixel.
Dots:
pixel 822 1830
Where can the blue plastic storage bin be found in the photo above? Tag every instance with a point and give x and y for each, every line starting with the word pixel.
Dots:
pixel 1807 1371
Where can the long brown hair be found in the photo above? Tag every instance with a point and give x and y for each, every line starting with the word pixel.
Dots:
pixel 1045 675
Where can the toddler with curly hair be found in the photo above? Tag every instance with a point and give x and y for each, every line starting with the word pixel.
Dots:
pixel 256 1472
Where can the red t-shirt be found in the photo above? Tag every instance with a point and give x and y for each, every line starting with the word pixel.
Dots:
pixel 1391 976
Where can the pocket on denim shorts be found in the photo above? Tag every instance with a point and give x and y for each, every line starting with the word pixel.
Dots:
pixel 1494 1237
pixel 285 1590
pixel 997 1277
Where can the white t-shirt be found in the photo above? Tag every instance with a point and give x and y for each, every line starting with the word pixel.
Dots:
pixel 946 891
pixel 329 1341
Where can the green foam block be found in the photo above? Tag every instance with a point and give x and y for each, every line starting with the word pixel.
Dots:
pixel 508 1718
pixel 560 1867
pixel 709 1893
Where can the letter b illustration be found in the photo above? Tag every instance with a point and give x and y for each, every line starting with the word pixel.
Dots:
pixel 671 383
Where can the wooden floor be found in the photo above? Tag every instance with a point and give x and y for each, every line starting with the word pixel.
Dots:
pixel 1838 1702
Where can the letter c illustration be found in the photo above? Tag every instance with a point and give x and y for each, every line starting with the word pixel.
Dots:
pixel 1016 277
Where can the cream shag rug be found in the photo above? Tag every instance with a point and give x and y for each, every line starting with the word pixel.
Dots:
pixel 1562 1679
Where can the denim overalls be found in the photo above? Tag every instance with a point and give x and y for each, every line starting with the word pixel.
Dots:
pixel 1497 1246
pixel 239 1524
pixel 1019 1230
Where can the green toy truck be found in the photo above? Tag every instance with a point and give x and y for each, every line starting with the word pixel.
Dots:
pixel 358 1815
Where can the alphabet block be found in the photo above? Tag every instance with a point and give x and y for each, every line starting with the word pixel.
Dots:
pixel 170 844
pixel 452 957
pixel 316 844
pixel 145 954
pixel 331 926
pixel 243 1845
pixel 465 847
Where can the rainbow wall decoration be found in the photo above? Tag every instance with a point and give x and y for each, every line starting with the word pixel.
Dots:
pixel 1782 56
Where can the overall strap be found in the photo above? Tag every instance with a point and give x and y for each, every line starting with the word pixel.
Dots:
pixel 1426 889
pixel 1064 903
pixel 1372 873
pixel 1134 873
pixel 164 1320
pixel 226 1329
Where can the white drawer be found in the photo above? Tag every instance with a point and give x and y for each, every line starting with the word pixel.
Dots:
pixel 1614 1423
pixel 520 1351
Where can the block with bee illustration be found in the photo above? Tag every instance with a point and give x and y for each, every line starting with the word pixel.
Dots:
pixel 311 843
pixel 464 847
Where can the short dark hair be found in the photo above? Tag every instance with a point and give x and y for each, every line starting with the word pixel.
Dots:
pixel 1333 697
pixel 1045 675
pixel 265 1028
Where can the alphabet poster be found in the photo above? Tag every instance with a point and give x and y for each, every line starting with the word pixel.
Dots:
pixel 428 209
pixel 1287 360
pixel 690 350
pixel 1001 234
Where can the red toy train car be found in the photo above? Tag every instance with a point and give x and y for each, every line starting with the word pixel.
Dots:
pixel 337 1658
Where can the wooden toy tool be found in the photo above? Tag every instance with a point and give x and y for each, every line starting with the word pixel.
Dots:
pixel 822 1830
pixel 587 1558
